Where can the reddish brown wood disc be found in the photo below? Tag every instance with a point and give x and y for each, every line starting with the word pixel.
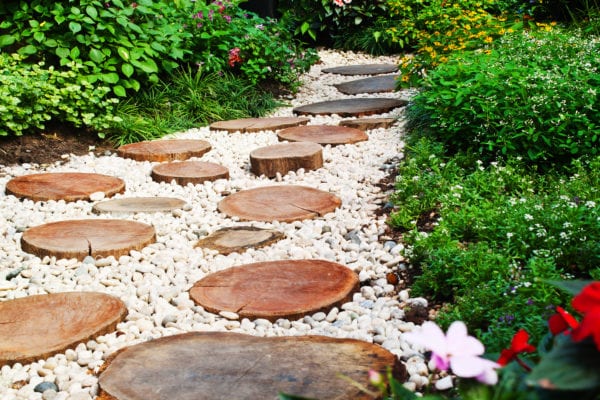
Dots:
pixel 362 69
pixel 355 107
pixel 223 365
pixel 139 204
pixel 239 239
pixel 375 84
pixel 164 150
pixel 185 172
pixel 36 327
pixel 283 203
pixel 323 134
pixel 257 124
pixel 67 186
pixel 276 289
pixel 286 157
pixel 87 237
pixel 368 123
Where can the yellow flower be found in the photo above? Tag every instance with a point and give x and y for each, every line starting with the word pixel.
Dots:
pixel 488 39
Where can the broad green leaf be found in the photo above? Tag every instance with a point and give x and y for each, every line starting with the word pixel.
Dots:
pixel 6 40
pixel 304 27
pixel 74 26
pixel 127 69
pixel 59 19
pixel 51 43
pixel 573 287
pixel 91 11
pixel 39 36
pixel 357 20
pixel 148 66
pixel 27 50
pixel 74 53
pixel 158 47
pixel 33 23
pixel 75 11
pixel 118 3
pixel 62 52
pixel 110 78
pixel 119 91
pixel 124 53
pixel 96 55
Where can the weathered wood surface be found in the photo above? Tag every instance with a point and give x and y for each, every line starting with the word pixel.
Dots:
pixel 283 203
pixel 323 134
pixel 362 69
pixel 164 150
pixel 185 172
pixel 257 124
pixel 368 123
pixel 37 327
pixel 87 237
pixel 222 365
pixel 239 239
pixel 355 107
pixel 139 204
pixel 286 157
pixel 67 186
pixel 374 84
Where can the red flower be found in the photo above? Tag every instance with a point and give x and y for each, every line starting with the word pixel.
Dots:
pixel 588 299
pixel 588 303
pixel 561 321
pixel 234 56
pixel 518 345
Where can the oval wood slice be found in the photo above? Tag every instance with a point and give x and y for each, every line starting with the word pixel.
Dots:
pixel 257 124
pixel 239 239
pixel 87 237
pixel 285 157
pixel 225 365
pixel 36 327
pixel 283 203
pixel 164 150
pixel 368 123
pixel 362 69
pixel 356 107
pixel 67 186
pixel 323 134
pixel 276 289
pixel 139 204
pixel 185 172
pixel 375 84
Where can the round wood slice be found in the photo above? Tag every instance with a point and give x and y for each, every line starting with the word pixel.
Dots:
pixel 185 172
pixel 257 124
pixel 139 204
pixel 67 186
pixel 368 123
pixel 323 134
pixel 285 157
pixel 364 69
pixel 239 239
pixel 225 365
pixel 375 84
pixel 87 237
pixel 164 150
pixel 283 203
pixel 37 327
pixel 356 107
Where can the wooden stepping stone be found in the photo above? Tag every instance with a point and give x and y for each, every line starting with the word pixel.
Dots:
pixel 375 84
pixel 37 327
pixel 364 69
pixel 87 237
pixel 185 172
pixel 368 123
pixel 323 134
pixel 226 365
pixel 285 203
pixel 139 204
pixel 276 289
pixel 239 239
pixel 67 186
pixel 286 157
pixel 164 150
pixel 257 124
pixel 356 107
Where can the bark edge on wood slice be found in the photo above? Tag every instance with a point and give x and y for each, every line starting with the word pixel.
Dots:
pixel 239 239
pixel 354 107
pixel 374 84
pixel 362 69
pixel 139 204
pixel 184 172
pixel 368 123
pixel 164 150
pixel 286 157
pixel 323 134
pixel 248 125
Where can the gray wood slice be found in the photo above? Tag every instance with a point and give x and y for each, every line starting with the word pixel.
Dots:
pixel 323 134
pixel 285 157
pixel 374 84
pixel 185 172
pixel 355 107
pixel 164 150
pixel 239 239
pixel 139 204
pixel 362 69
pixel 226 365
pixel 368 123
pixel 257 124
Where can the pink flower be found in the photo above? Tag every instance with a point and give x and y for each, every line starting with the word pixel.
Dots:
pixel 339 3
pixel 455 350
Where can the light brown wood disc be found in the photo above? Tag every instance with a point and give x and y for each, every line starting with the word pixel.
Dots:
pixel 374 84
pixel 37 327
pixel 323 134
pixel 67 186
pixel 362 69
pixel 225 365
pixel 355 107
pixel 257 124
pixel 285 157
pixel 283 203
pixel 164 150
pixel 368 123
pixel 185 172
pixel 139 204
pixel 276 289
pixel 239 239
pixel 87 237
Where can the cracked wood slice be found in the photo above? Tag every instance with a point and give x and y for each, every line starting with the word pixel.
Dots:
pixel 362 69
pixel 139 204
pixel 276 289
pixel 185 172
pixel 257 124
pixel 227 365
pixel 285 157
pixel 323 134
pixel 374 84
pixel 368 123
pixel 239 239
pixel 37 327
pixel 164 150
pixel 283 203
pixel 355 107
pixel 87 237
pixel 67 186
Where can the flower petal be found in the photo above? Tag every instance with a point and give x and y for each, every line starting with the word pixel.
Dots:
pixel 588 299
pixel 470 366
pixel 460 343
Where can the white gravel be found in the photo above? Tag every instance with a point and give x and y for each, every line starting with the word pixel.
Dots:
pixel 154 282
